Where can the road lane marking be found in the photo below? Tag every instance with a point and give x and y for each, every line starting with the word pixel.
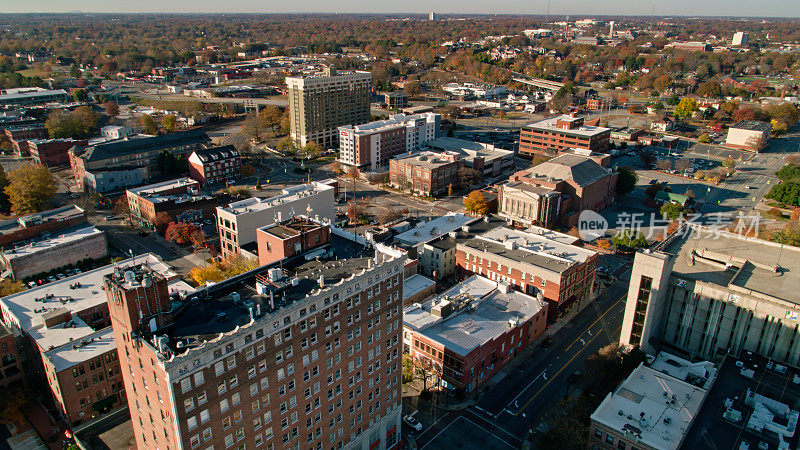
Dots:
pixel 555 376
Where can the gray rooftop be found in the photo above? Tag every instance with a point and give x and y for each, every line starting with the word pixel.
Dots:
pixel 570 167
pixel 485 314
pixel 754 265
pixel 752 125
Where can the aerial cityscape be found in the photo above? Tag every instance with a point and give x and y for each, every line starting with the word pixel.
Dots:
pixel 490 226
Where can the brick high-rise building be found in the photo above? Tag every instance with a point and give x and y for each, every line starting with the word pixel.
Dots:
pixel 309 359
pixel 320 103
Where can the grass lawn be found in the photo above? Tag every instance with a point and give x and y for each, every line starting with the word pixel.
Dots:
pixel 33 73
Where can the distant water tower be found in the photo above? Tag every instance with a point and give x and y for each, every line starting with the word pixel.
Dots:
pixel 611 30
pixel 432 16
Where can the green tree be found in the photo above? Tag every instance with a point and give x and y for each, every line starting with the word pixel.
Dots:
pixel 704 138
pixel 149 124
pixel 77 124
pixel 686 107
pixel 626 181
pixel 30 188
pixel 168 122
pixel 80 95
pixel 672 210
pixel 629 240
pixel 74 71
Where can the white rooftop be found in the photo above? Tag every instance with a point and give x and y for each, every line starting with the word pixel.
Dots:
pixel 290 194
pixel 23 311
pixel 415 284
pixel 491 307
pixel 54 241
pixel 394 121
pixel 427 231
pixel 651 408
pixel 78 351
pixel 700 373
pixel 542 241
pixel 549 124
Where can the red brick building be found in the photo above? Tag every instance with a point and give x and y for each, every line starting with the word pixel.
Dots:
pixel 304 360
pixel 582 182
pixel 215 165
pixel 546 265
pixel 289 238
pixel 461 349
pixel 70 346
pixel 180 199
pixel 559 133
pixel 19 137
pixel 52 152
pixel 426 173
pixel 10 363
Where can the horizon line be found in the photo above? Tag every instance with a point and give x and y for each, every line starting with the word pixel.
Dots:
pixel 331 13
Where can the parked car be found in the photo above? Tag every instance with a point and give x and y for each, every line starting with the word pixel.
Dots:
pixel 52 279
pixel 412 422
pixel 574 376
pixel 31 284
pixel 61 276
pixel 547 342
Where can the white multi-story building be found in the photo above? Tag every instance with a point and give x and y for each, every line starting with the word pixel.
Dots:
pixel 237 222
pixel 371 145
pixel 478 90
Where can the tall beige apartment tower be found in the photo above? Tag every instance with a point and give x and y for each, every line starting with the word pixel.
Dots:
pixel 320 103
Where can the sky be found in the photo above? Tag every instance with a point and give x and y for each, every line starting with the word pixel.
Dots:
pixel 761 8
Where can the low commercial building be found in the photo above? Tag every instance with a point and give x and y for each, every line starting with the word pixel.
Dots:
pixel 485 160
pixel 290 238
pixel 559 133
pixel 372 144
pixel 427 231
pixel 117 132
pixel 179 199
pixel 652 409
pixel 538 261
pixel 558 190
pixel 52 152
pixel 426 173
pixel 45 223
pixel 464 336
pixel 417 288
pixel 395 99
pixel 215 165
pixel 751 135
pixel 34 96
pixel 708 292
pixel 437 257
pixel 68 246
pixel 19 136
pixel 238 222
pixel 65 329
pixel 476 90
pixel 119 164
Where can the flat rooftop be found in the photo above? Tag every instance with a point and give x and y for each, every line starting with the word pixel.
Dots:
pixel 83 349
pixel 427 159
pixel 651 408
pixel 394 121
pixel 427 231
pixel 753 265
pixel 24 310
pixel 211 315
pixel 292 194
pixel 60 238
pixel 541 241
pixel 10 226
pixel 735 377
pixel 158 188
pixel 289 228
pixel 468 149
pixel 415 284
pixel 484 314
pixel 549 125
